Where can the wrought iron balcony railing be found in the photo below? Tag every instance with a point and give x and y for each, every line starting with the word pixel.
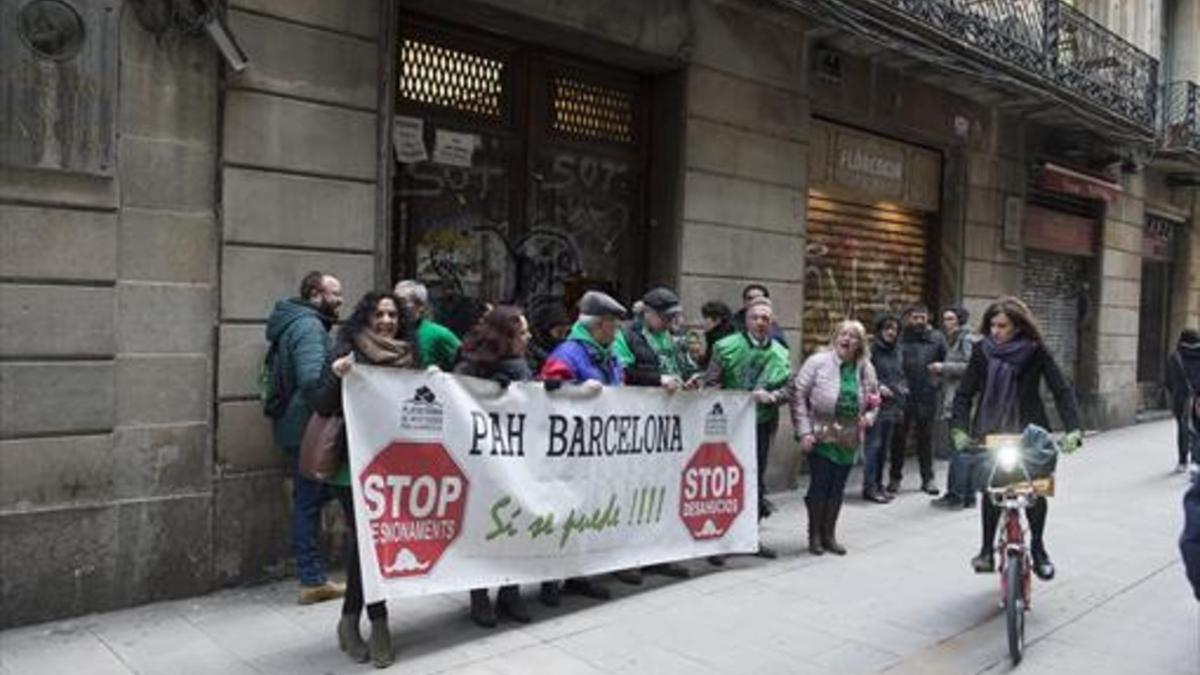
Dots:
pixel 1181 117
pixel 1049 40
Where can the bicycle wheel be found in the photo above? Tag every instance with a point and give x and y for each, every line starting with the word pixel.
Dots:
pixel 1014 606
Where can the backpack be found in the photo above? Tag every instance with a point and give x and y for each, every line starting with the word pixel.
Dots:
pixel 274 389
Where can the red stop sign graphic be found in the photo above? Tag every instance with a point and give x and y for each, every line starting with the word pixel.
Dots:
pixel 711 491
pixel 415 496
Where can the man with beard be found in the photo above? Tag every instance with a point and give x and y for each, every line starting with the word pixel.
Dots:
pixel 1183 383
pixel 921 346
pixel 298 330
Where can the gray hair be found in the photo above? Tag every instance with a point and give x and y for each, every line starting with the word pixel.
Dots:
pixel 588 320
pixel 413 291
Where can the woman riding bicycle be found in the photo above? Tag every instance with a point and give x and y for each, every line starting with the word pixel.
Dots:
pixel 1005 373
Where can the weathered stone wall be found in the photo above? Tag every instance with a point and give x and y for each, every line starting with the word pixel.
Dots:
pixel 107 309
pixel 298 192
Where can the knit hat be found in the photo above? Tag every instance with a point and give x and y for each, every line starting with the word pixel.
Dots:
pixel 595 303
pixel 545 316
pixel 662 300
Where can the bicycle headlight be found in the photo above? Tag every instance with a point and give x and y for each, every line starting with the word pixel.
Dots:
pixel 1007 457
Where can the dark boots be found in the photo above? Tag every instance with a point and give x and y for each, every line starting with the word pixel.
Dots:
pixel 509 603
pixel 816 514
pixel 829 519
pixel 350 640
pixel 482 612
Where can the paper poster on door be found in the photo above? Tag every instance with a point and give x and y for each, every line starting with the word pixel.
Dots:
pixel 408 136
pixel 453 148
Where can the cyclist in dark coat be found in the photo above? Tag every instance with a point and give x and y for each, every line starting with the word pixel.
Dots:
pixel 1005 373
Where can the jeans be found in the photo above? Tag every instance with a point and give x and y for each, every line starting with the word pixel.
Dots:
pixel 879 439
pixel 827 479
pixel 763 433
pixel 307 498
pixel 923 425
pixel 960 476
pixel 352 602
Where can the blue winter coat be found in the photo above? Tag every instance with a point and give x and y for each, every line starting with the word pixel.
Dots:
pixel 303 335
pixel 1189 542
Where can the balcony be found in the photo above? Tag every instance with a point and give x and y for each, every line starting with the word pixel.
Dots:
pixel 1181 118
pixel 1044 52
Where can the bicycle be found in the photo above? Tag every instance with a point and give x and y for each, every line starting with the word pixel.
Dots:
pixel 1016 560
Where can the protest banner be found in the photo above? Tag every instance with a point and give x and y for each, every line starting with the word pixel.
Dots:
pixel 460 484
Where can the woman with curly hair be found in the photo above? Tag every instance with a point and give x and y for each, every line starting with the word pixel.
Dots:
pixel 376 333
pixel 496 350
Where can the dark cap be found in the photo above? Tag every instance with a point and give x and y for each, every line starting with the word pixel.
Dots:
pixel 595 303
pixel 662 300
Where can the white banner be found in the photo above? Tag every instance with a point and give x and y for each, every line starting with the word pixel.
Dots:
pixel 459 484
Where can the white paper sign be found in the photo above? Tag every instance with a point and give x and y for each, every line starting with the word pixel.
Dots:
pixel 453 148
pixel 459 484
pixel 409 140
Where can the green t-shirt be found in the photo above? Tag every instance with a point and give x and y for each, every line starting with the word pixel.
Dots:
pixel 846 411
pixel 436 345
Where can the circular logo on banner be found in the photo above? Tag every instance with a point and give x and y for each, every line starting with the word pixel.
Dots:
pixel 712 491
pixel 416 497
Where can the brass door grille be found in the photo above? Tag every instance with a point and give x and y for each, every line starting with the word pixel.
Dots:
pixel 591 111
pixel 451 78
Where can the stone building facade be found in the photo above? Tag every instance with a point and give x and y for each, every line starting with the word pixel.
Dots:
pixel 711 142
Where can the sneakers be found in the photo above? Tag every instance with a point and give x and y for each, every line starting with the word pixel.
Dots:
pixel 948 502
pixel 330 590
pixel 875 496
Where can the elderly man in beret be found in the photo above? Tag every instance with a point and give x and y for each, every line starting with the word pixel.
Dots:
pixel 585 357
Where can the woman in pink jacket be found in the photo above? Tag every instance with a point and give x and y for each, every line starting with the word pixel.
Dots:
pixel 834 398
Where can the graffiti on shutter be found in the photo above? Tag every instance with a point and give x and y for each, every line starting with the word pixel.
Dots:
pixel 860 262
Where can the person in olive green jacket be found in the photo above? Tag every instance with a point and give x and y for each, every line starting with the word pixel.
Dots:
pixel 436 344
pixel 750 360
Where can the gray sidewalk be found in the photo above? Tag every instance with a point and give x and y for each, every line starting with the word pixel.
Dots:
pixel 903 601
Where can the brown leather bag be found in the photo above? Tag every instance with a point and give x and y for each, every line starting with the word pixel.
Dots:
pixel 320 454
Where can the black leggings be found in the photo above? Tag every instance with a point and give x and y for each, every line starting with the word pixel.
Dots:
pixel 352 603
pixel 1181 437
pixel 1037 523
